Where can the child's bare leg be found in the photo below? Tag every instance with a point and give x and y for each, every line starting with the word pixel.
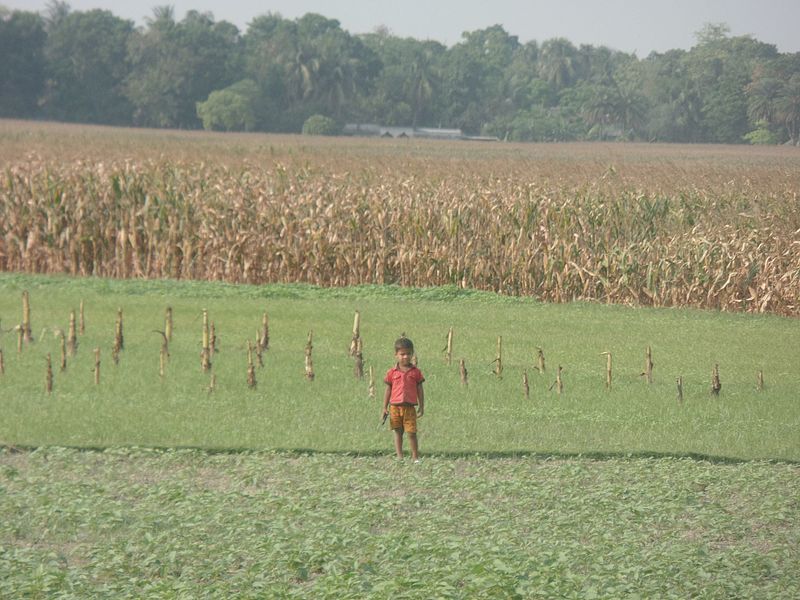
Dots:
pixel 398 442
pixel 412 439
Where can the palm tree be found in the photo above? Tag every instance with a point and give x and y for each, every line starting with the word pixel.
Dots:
pixel 615 104
pixel 630 109
pixel 302 71
pixel 162 15
pixel 599 109
pixel 787 108
pixel 336 84
pixel 761 95
pixel 421 82
pixel 557 62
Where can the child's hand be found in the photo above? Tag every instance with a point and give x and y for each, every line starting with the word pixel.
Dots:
pixel 420 411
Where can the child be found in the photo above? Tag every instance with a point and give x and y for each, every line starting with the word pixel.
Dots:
pixel 404 399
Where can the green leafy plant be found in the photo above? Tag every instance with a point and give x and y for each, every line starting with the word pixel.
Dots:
pixel 133 522
pixel 320 125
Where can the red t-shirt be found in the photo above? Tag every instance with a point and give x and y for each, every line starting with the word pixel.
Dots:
pixel 404 385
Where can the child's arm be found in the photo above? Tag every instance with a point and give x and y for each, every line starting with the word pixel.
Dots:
pixel 420 400
pixel 386 396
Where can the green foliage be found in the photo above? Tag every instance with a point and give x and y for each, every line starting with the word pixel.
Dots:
pixel 93 67
pixel 231 109
pixel 721 68
pixel 408 87
pixel 22 63
pixel 762 135
pixel 133 406
pixel 536 125
pixel 320 125
pixel 132 522
pixel 473 73
pixel 787 107
pixel 308 65
pixel 594 493
pixel 174 65
pixel 557 62
pixel 87 64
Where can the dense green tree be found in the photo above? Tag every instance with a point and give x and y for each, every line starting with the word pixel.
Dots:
pixel 407 88
pixel 94 67
pixel 473 77
pixel 612 104
pixel 177 64
pixel 156 84
pixel 423 81
pixel 762 92
pixel 787 108
pixel 538 124
pixel 268 42
pixel 87 64
pixel 320 125
pixel 598 64
pixel 234 108
pixel 725 111
pixel 558 58
pixel 675 111
pixel 216 50
pixel 599 108
pixel 721 68
pixel 524 88
pixel 306 66
pixel 301 60
pixel 771 98
pixel 22 63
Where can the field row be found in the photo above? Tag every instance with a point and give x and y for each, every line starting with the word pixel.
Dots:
pixel 256 349
pixel 132 523
pixel 727 247
pixel 535 374
pixel 237 403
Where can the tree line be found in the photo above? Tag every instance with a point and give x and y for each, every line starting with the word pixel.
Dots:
pixel 94 67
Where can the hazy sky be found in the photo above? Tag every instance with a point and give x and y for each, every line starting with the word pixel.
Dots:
pixel 639 26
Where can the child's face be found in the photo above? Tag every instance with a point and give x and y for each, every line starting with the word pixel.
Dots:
pixel 403 356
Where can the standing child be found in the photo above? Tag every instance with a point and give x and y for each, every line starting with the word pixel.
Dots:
pixel 404 399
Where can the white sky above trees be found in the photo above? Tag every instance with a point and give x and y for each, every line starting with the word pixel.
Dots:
pixel 639 26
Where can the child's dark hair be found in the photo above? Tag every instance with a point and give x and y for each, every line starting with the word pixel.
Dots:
pixel 403 343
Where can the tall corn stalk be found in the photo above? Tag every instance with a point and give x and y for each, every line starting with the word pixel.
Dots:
pixel 666 234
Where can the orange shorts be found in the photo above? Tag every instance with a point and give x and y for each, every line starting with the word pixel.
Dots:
pixel 403 416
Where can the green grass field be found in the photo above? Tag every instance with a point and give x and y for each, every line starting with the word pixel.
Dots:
pixel 134 406
pixel 135 523
pixel 290 490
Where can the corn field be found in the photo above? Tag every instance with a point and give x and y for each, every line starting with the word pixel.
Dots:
pixel 640 225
